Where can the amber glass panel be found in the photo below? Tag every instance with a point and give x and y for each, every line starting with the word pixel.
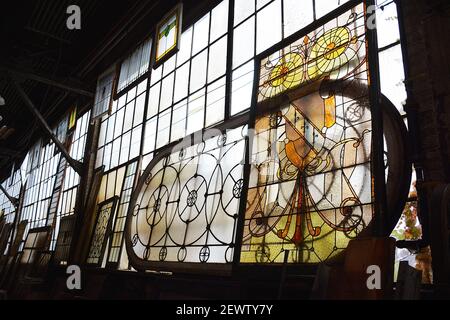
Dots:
pixel 310 188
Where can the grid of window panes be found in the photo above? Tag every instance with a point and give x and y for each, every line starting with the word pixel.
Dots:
pixel 116 240
pixel 40 185
pixel 260 24
pixel 135 65
pixel 66 204
pixel 111 186
pixel 121 132
pixel 187 92
pixel 392 73
pixel 12 186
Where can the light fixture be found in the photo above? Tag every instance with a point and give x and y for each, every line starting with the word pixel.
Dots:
pixel 2 101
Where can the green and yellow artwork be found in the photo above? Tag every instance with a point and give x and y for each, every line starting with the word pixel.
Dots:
pixel 167 35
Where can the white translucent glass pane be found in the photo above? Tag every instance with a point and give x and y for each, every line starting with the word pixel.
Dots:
pixel 119 122
pixel 244 42
pixel 179 120
pixel 218 61
pixel 142 87
pixel 219 21
pixel 242 10
pixel 196 106
pixel 392 76
pixel 268 26
pixel 133 71
pixel 297 15
pixel 128 119
pixel 102 135
pixel 326 6
pixel 136 138
pixel 181 82
pixel 153 100
pixel 387 25
pixel 131 94
pixel 261 3
pixel 118 104
pixel 198 73
pixel 156 75
pixel 125 148
pixel 185 47
pixel 163 129
pixel 169 66
pixel 81 148
pixel 150 136
pixel 123 74
pixel 201 30
pixel 166 92
pixel 242 87
pixel 215 102
pixel 139 110
pixel 145 58
pixel 115 153
pixel 110 129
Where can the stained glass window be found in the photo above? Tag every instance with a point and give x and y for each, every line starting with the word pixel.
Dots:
pixel 187 203
pixel 310 180
pixel 310 188
pixel 168 33
pixel 72 119
pixel 101 231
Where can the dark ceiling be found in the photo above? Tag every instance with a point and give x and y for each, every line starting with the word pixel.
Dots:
pixel 58 67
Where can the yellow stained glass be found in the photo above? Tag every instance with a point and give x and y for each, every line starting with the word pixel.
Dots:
pixel 168 34
pixel 310 188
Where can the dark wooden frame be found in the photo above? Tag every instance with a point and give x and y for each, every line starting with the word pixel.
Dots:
pixel 70 221
pixel 110 71
pixel 47 231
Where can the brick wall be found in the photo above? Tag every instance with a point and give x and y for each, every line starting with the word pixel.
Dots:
pixel 427 34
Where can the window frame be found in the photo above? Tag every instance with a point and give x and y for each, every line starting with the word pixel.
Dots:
pixel 246 117
pixel 113 201
pixel 118 94
pixel 178 12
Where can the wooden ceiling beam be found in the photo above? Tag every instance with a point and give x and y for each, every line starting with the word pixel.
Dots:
pixel 66 85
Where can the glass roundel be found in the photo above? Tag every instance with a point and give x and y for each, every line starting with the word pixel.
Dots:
pixel 186 205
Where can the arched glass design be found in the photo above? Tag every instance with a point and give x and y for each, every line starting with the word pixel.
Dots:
pixel 187 203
